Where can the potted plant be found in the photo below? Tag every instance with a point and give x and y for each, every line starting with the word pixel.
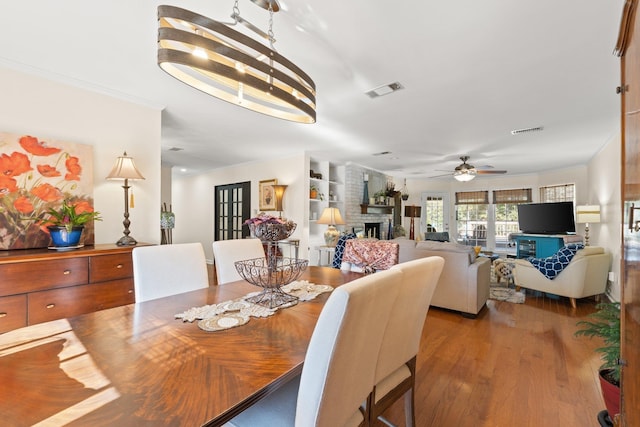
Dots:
pixel 606 325
pixel 313 192
pixel 65 224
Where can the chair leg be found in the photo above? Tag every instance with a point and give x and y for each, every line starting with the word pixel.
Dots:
pixel 409 413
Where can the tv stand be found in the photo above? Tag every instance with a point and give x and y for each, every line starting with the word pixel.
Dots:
pixel 542 245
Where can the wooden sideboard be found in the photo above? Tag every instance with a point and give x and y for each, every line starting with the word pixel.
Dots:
pixel 38 285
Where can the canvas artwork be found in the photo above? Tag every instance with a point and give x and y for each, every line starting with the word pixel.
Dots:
pixel 37 174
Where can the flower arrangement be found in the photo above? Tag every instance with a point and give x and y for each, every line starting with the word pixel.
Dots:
pixel 69 216
pixel 270 228
pixel 35 178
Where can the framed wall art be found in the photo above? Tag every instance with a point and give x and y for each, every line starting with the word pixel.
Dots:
pixel 267 200
pixel 36 175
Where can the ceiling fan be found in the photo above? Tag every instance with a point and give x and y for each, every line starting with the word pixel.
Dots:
pixel 466 172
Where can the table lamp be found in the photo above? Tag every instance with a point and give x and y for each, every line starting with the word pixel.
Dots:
pixel 125 169
pixel 412 212
pixel 586 214
pixel 331 217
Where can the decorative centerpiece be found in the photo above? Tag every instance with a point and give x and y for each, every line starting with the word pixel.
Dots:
pixel 273 271
pixel 65 225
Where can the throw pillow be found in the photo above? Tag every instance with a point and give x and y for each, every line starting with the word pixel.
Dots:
pixel 337 256
pixel 556 263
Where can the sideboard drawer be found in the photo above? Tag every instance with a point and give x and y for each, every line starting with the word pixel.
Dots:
pixel 115 293
pixel 13 312
pixel 110 267
pixel 60 303
pixel 22 277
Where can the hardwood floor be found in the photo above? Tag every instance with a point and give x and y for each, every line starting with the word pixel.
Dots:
pixel 515 365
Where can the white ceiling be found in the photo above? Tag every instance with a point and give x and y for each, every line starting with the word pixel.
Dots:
pixel 472 71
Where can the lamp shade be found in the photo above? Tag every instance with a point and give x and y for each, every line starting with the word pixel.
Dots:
pixel 125 169
pixel 278 191
pixel 586 214
pixel 331 216
pixel 412 211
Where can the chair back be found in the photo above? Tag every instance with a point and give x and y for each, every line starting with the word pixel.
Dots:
pixel 338 372
pixel 160 271
pixel 227 252
pixel 401 339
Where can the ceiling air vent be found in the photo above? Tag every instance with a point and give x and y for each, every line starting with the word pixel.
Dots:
pixel 384 90
pixel 176 149
pixel 527 130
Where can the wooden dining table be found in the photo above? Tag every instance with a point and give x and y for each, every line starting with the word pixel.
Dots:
pixel 137 365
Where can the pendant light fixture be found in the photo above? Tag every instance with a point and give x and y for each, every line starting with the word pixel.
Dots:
pixel 220 60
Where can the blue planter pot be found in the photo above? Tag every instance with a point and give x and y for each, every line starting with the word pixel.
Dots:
pixel 62 238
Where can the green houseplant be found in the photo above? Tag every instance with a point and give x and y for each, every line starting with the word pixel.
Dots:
pixel 605 324
pixel 66 223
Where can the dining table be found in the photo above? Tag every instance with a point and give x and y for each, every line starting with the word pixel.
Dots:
pixel 139 365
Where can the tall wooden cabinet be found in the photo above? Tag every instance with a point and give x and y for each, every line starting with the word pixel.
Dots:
pixel 40 285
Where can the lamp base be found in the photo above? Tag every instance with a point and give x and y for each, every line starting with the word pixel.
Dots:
pixel 331 236
pixel 126 241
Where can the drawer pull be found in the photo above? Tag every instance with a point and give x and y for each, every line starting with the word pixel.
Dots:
pixel 3 314
pixel 66 272
pixel 50 305
pixel 119 266
pixel 130 291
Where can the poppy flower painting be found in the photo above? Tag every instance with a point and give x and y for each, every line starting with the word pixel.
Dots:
pixel 37 176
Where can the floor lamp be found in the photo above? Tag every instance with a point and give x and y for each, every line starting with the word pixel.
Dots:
pixel 412 212
pixel 587 214
pixel 125 169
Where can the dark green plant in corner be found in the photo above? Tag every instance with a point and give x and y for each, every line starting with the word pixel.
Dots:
pixel 606 325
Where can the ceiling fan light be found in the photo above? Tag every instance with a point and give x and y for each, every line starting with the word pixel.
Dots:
pixel 464 175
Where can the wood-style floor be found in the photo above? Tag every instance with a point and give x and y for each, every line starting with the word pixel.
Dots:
pixel 516 365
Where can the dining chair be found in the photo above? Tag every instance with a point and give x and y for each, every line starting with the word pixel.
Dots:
pixel 160 271
pixel 338 371
pixel 227 252
pixel 396 366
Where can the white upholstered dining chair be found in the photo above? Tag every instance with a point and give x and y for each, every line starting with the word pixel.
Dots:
pixel 160 271
pixel 338 371
pixel 227 252
pixel 395 370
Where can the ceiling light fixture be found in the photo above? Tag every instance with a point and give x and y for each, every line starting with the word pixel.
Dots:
pixel 384 89
pixel 464 175
pixel 225 63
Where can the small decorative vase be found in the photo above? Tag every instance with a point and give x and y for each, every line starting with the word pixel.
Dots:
pixel 63 238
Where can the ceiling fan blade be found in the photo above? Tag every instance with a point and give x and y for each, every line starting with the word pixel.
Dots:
pixel 441 175
pixel 489 172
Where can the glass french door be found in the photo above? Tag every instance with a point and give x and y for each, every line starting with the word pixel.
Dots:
pixel 232 208
pixel 435 212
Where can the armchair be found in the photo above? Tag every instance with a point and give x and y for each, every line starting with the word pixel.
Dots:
pixel 585 276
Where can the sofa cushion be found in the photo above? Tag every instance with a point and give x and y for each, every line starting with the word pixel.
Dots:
pixel 449 247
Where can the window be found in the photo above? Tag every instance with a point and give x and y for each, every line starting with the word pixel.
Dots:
pixel 471 217
pixel 557 193
pixel 506 214
pixel 434 213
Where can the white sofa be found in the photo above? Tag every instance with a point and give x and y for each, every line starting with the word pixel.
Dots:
pixel 464 283
pixel 585 276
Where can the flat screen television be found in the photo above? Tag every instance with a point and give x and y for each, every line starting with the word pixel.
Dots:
pixel 546 218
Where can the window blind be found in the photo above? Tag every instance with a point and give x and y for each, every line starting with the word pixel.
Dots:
pixel 472 198
pixel 521 195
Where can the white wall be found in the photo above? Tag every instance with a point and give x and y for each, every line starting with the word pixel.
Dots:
pixel 44 108
pixel 604 190
pixel 193 198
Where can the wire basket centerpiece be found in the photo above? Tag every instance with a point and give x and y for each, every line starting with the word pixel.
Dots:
pixel 273 271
